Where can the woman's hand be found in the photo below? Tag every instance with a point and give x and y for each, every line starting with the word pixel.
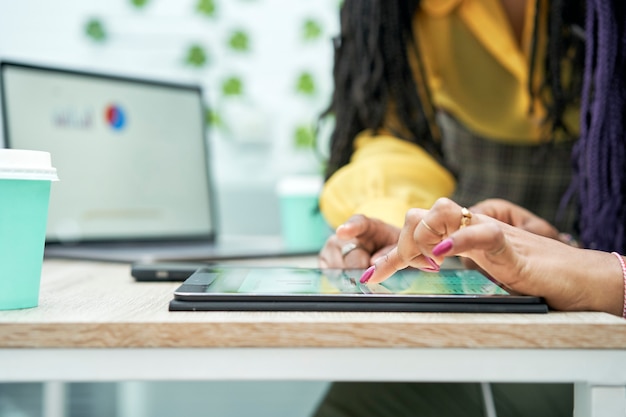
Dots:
pixel 512 214
pixel 517 216
pixel 566 277
pixel 357 243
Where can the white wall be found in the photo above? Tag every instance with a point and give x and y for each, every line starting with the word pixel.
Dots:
pixel 254 147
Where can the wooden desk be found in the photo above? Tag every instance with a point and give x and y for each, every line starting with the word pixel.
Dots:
pixel 94 323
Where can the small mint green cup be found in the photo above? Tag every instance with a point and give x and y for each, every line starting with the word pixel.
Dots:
pixel 25 179
pixel 303 227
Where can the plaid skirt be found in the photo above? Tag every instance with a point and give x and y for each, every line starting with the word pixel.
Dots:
pixel 533 176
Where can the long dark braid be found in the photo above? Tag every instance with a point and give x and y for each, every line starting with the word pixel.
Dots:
pixel 372 71
pixel 565 46
pixel 600 154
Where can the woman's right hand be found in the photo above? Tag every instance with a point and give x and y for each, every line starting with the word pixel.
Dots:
pixel 517 216
pixel 357 243
pixel 567 278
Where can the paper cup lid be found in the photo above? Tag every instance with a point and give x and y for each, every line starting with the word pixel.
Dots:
pixel 22 164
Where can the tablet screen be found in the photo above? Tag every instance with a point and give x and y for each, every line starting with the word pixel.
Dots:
pixel 219 283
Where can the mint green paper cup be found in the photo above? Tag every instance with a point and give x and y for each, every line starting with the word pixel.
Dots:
pixel 25 179
pixel 303 227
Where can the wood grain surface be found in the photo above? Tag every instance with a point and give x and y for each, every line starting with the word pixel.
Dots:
pixel 95 305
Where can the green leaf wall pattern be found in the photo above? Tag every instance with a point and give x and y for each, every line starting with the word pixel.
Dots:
pixel 139 3
pixel 94 29
pixel 206 8
pixel 240 41
pixel 196 56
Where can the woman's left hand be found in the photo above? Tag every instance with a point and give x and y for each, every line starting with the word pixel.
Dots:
pixel 515 215
pixel 357 242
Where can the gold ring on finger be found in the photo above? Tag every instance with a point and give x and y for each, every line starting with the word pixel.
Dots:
pixel 466 217
pixel 430 229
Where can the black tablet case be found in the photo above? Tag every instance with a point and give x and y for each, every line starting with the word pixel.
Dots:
pixel 371 306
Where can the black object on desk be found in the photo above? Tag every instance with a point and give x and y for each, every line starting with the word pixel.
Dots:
pixel 164 271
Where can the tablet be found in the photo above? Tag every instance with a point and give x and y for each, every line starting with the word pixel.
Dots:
pixel 309 289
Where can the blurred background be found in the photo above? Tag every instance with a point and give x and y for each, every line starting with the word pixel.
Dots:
pixel 265 67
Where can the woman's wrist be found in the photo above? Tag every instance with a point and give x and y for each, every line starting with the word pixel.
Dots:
pixel 620 259
pixel 600 302
pixel 585 280
pixel 605 284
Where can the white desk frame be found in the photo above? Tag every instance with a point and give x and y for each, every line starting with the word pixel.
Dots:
pixel 600 383
pixel 40 346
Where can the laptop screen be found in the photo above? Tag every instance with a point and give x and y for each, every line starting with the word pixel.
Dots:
pixel 131 154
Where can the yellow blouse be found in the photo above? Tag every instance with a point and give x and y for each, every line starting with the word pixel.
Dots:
pixel 475 68
pixel 477 72
pixel 385 178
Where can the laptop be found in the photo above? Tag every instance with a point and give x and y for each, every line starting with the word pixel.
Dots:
pixel 133 162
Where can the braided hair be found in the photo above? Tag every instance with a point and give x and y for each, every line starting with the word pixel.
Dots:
pixel 372 72
pixel 600 153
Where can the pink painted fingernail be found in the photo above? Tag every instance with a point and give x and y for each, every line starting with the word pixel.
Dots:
pixel 367 274
pixel 443 247
pixel 433 265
